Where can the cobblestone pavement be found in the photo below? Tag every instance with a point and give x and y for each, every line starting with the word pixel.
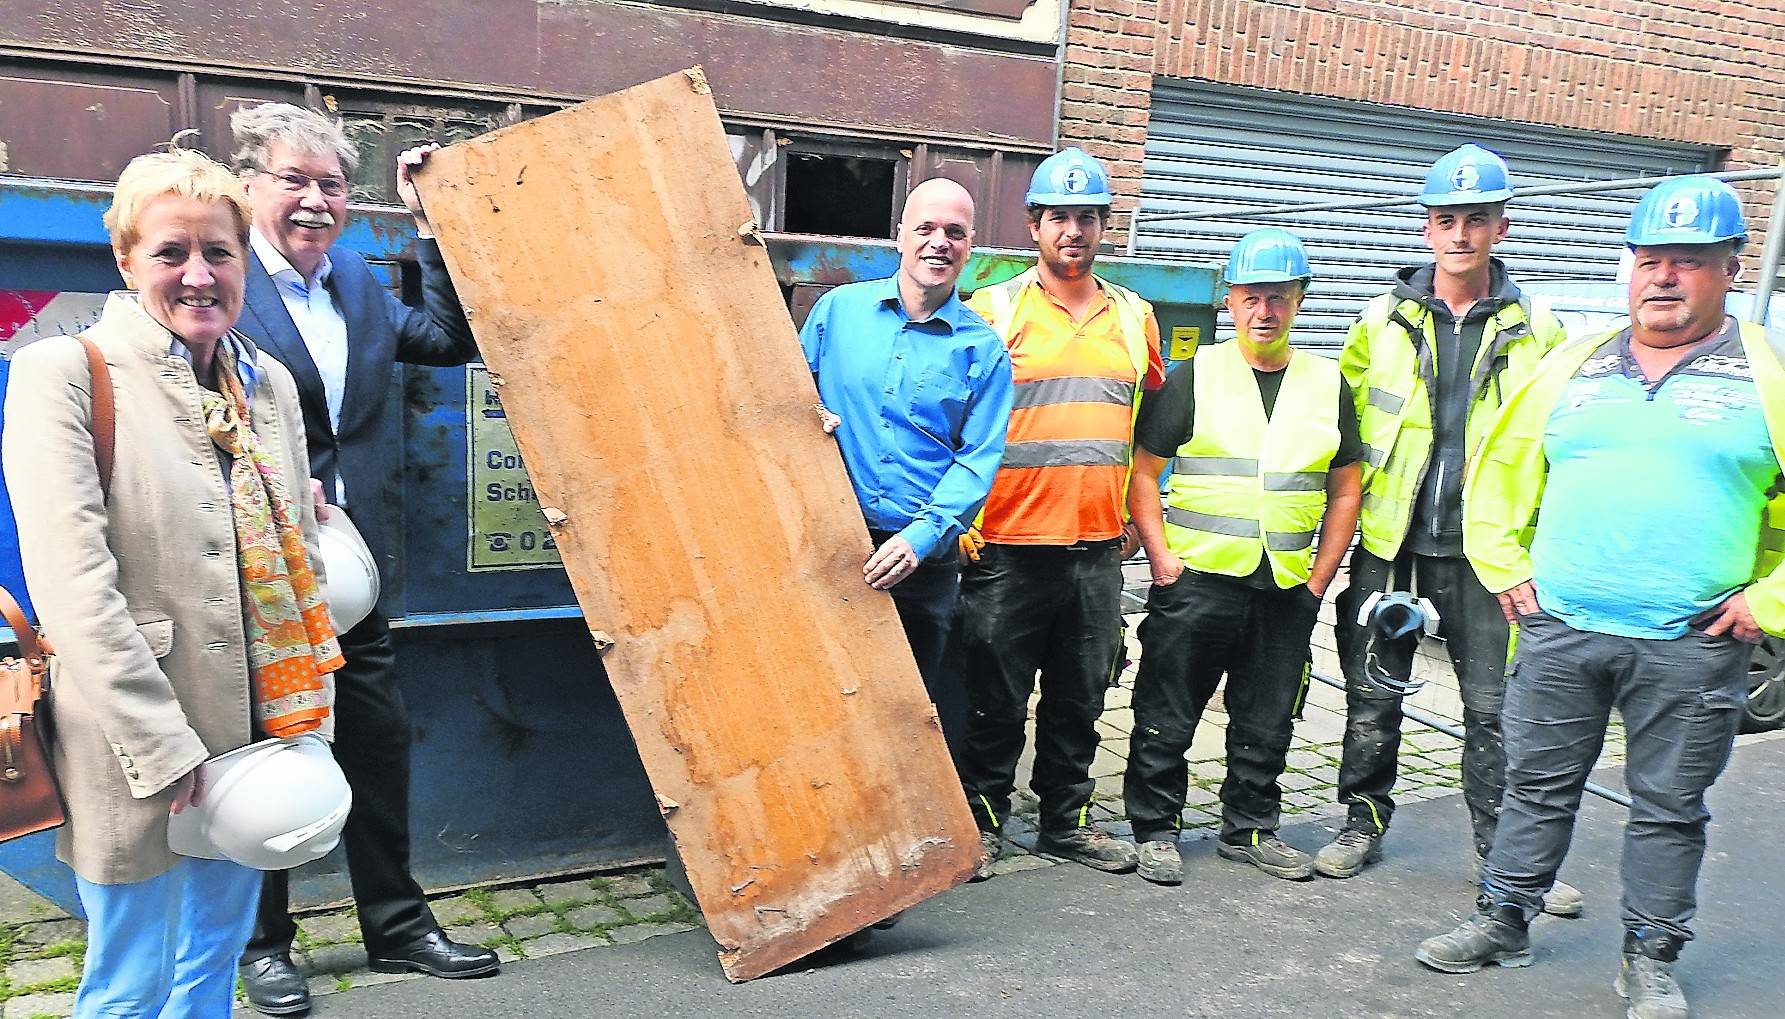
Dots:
pixel 41 948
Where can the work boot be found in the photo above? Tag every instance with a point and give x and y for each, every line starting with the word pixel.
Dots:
pixel 1497 933
pixel 1646 977
pixel 1092 848
pixel 991 844
pixel 1267 852
pixel 1562 899
pixel 1161 863
pixel 1349 853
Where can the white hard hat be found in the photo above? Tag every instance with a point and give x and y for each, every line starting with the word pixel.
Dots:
pixel 272 805
pixel 351 574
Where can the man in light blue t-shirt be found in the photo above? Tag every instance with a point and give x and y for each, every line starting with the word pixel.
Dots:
pixel 1649 458
pixel 1696 438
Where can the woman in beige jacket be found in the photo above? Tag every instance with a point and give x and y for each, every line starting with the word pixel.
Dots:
pixel 182 605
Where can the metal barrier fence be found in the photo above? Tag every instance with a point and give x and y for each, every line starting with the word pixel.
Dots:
pixel 1771 254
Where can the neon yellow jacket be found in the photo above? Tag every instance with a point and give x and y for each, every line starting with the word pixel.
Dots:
pixel 1507 477
pixel 1392 377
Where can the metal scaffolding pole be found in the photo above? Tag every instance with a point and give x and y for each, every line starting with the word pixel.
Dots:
pixel 1770 256
pixel 1136 603
pixel 1430 720
pixel 1136 221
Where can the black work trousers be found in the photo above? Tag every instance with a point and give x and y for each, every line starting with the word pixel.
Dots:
pixel 1476 635
pixel 1052 609
pixel 372 746
pixel 926 604
pixel 1197 630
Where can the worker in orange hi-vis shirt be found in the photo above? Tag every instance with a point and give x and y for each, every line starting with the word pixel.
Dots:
pixel 1043 591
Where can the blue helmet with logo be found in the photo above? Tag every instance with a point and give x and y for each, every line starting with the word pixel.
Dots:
pixel 1069 177
pixel 1269 255
pixel 1687 210
pixel 1468 175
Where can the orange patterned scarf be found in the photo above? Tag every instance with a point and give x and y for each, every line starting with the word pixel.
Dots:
pixel 291 642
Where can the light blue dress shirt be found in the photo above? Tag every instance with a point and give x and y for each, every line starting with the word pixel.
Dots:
pixel 319 321
pixel 924 406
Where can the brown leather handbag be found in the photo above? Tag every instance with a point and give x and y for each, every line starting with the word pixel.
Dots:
pixel 29 799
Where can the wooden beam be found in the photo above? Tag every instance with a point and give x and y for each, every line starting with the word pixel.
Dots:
pixel 666 416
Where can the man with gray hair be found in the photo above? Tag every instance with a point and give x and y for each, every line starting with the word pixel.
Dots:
pixel 318 309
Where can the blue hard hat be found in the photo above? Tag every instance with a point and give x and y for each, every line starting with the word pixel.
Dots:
pixel 1687 210
pixel 1069 177
pixel 1469 175
pixel 1267 256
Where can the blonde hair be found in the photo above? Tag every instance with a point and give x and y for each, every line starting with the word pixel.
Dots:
pixel 184 172
pixel 302 129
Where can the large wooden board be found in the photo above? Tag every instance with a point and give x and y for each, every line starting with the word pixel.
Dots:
pixel 665 414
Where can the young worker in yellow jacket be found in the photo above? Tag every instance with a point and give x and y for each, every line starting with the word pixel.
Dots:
pixel 1650 603
pixel 1262 504
pixel 1430 363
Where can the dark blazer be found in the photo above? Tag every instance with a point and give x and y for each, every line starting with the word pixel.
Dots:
pixel 381 331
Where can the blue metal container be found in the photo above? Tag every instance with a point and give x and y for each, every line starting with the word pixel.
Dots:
pixel 523 765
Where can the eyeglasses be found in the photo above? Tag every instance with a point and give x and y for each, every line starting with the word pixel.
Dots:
pixel 297 183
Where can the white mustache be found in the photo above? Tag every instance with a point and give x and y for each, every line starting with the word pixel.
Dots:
pixel 314 219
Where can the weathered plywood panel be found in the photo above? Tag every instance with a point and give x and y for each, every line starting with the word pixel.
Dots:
pixel 657 391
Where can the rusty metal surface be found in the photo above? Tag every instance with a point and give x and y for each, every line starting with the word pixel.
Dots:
pixel 758 67
pixel 656 390
pixel 80 124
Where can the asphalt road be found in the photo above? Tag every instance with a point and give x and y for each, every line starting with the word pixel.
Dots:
pixel 1066 941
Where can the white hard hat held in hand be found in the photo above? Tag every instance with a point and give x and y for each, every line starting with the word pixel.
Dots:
pixel 350 574
pixel 272 805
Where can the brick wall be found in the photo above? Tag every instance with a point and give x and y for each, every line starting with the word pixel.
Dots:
pixel 1710 72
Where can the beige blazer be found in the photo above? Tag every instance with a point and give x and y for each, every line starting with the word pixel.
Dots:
pixel 139 593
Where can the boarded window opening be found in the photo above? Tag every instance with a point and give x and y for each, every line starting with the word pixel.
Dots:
pixel 847 196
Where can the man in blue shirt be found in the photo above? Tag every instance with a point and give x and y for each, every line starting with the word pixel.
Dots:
pixel 917 390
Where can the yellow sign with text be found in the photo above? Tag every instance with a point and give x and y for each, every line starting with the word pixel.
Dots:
pixel 508 532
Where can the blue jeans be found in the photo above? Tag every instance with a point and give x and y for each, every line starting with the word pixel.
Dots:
pixel 167 946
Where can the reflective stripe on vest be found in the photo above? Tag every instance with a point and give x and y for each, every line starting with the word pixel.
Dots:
pixel 1244 488
pixel 1067 453
pixel 1079 389
pixel 1131 313
pixel 1386 401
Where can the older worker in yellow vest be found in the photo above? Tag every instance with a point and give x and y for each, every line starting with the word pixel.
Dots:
pixel 1262 504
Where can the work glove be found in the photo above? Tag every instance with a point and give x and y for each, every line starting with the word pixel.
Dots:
pixel 971 544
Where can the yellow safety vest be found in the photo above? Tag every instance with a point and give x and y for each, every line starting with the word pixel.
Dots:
pixel 1245 487
pixel 1392 368
pixel 1506 481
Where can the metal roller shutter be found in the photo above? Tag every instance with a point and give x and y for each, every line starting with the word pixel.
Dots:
pixel 1215 146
